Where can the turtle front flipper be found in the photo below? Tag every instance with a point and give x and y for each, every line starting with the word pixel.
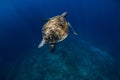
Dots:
pixel 52 47
pixel 41 43
pixel 74 32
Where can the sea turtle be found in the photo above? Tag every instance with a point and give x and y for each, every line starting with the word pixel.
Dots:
pixel 55 30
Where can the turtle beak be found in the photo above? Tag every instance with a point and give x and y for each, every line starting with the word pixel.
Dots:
pixel 52 47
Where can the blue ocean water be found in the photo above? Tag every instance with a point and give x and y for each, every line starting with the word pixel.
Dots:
pixel 91 55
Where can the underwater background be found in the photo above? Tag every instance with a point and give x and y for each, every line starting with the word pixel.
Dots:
pixel 94 54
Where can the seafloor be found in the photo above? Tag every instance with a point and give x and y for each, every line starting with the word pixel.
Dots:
pixel 72 60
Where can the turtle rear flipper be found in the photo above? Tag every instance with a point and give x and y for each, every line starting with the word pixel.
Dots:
pixel 64 14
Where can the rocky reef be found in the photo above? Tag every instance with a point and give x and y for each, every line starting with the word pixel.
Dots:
pixel 72 60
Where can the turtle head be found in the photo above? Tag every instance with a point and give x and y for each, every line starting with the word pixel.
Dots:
pixel 52 47
pixel 64 14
